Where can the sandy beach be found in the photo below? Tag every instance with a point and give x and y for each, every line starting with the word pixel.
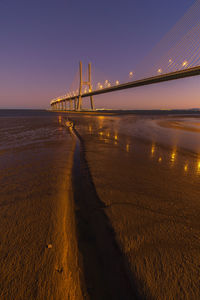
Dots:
pixel 38 248
pixel 99 207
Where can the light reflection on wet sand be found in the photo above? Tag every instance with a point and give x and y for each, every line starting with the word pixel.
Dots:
pixel 148 178
pixel 112 136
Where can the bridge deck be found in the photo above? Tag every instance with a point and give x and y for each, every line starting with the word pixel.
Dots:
pixel 146 81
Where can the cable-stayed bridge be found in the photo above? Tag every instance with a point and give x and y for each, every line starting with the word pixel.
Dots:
pixel 176 56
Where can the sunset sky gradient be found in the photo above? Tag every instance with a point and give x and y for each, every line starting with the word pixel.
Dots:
pixel 42 42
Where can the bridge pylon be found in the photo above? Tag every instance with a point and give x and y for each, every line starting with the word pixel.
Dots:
pixel 85 83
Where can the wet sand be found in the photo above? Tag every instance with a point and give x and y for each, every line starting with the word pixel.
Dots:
pixel 109 210
pixel 38 246
pixel 146 173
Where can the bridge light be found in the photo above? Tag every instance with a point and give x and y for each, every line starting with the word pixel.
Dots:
pixel 130 74
pixel 101 86
pixel 185 63
pixel 109 84
pixel 106 81
pixel 159 71
pixel 117 82
pixel 170 60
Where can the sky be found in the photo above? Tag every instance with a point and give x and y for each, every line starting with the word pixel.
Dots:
pixel 42 42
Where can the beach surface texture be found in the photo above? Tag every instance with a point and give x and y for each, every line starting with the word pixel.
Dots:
pixel 38 248
pixel 99 206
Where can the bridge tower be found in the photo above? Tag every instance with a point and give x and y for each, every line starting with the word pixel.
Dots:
pixel 85 83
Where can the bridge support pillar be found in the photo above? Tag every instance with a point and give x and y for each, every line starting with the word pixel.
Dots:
pixel 88 84
pixel 79 103
pixel 91 103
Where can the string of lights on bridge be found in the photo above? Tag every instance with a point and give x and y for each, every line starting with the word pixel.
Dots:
pixel 107 83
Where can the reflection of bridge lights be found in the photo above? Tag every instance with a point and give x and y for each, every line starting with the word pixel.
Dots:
pixel 153 150
pixel 127 147
pixel 186 167
pixel 108 134
pixel 160 159
pixel 159 71
pixel 185 63
pixel 117 82
pixel 60 119
pixel 90 129
pixel 198 167
pixel 116 137
pixel 100 133
pixel 173 157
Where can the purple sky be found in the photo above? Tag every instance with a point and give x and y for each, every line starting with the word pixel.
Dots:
pixel 42 41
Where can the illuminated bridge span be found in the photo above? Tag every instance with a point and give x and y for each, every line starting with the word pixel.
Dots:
pixel 176 56
pixel 75 102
